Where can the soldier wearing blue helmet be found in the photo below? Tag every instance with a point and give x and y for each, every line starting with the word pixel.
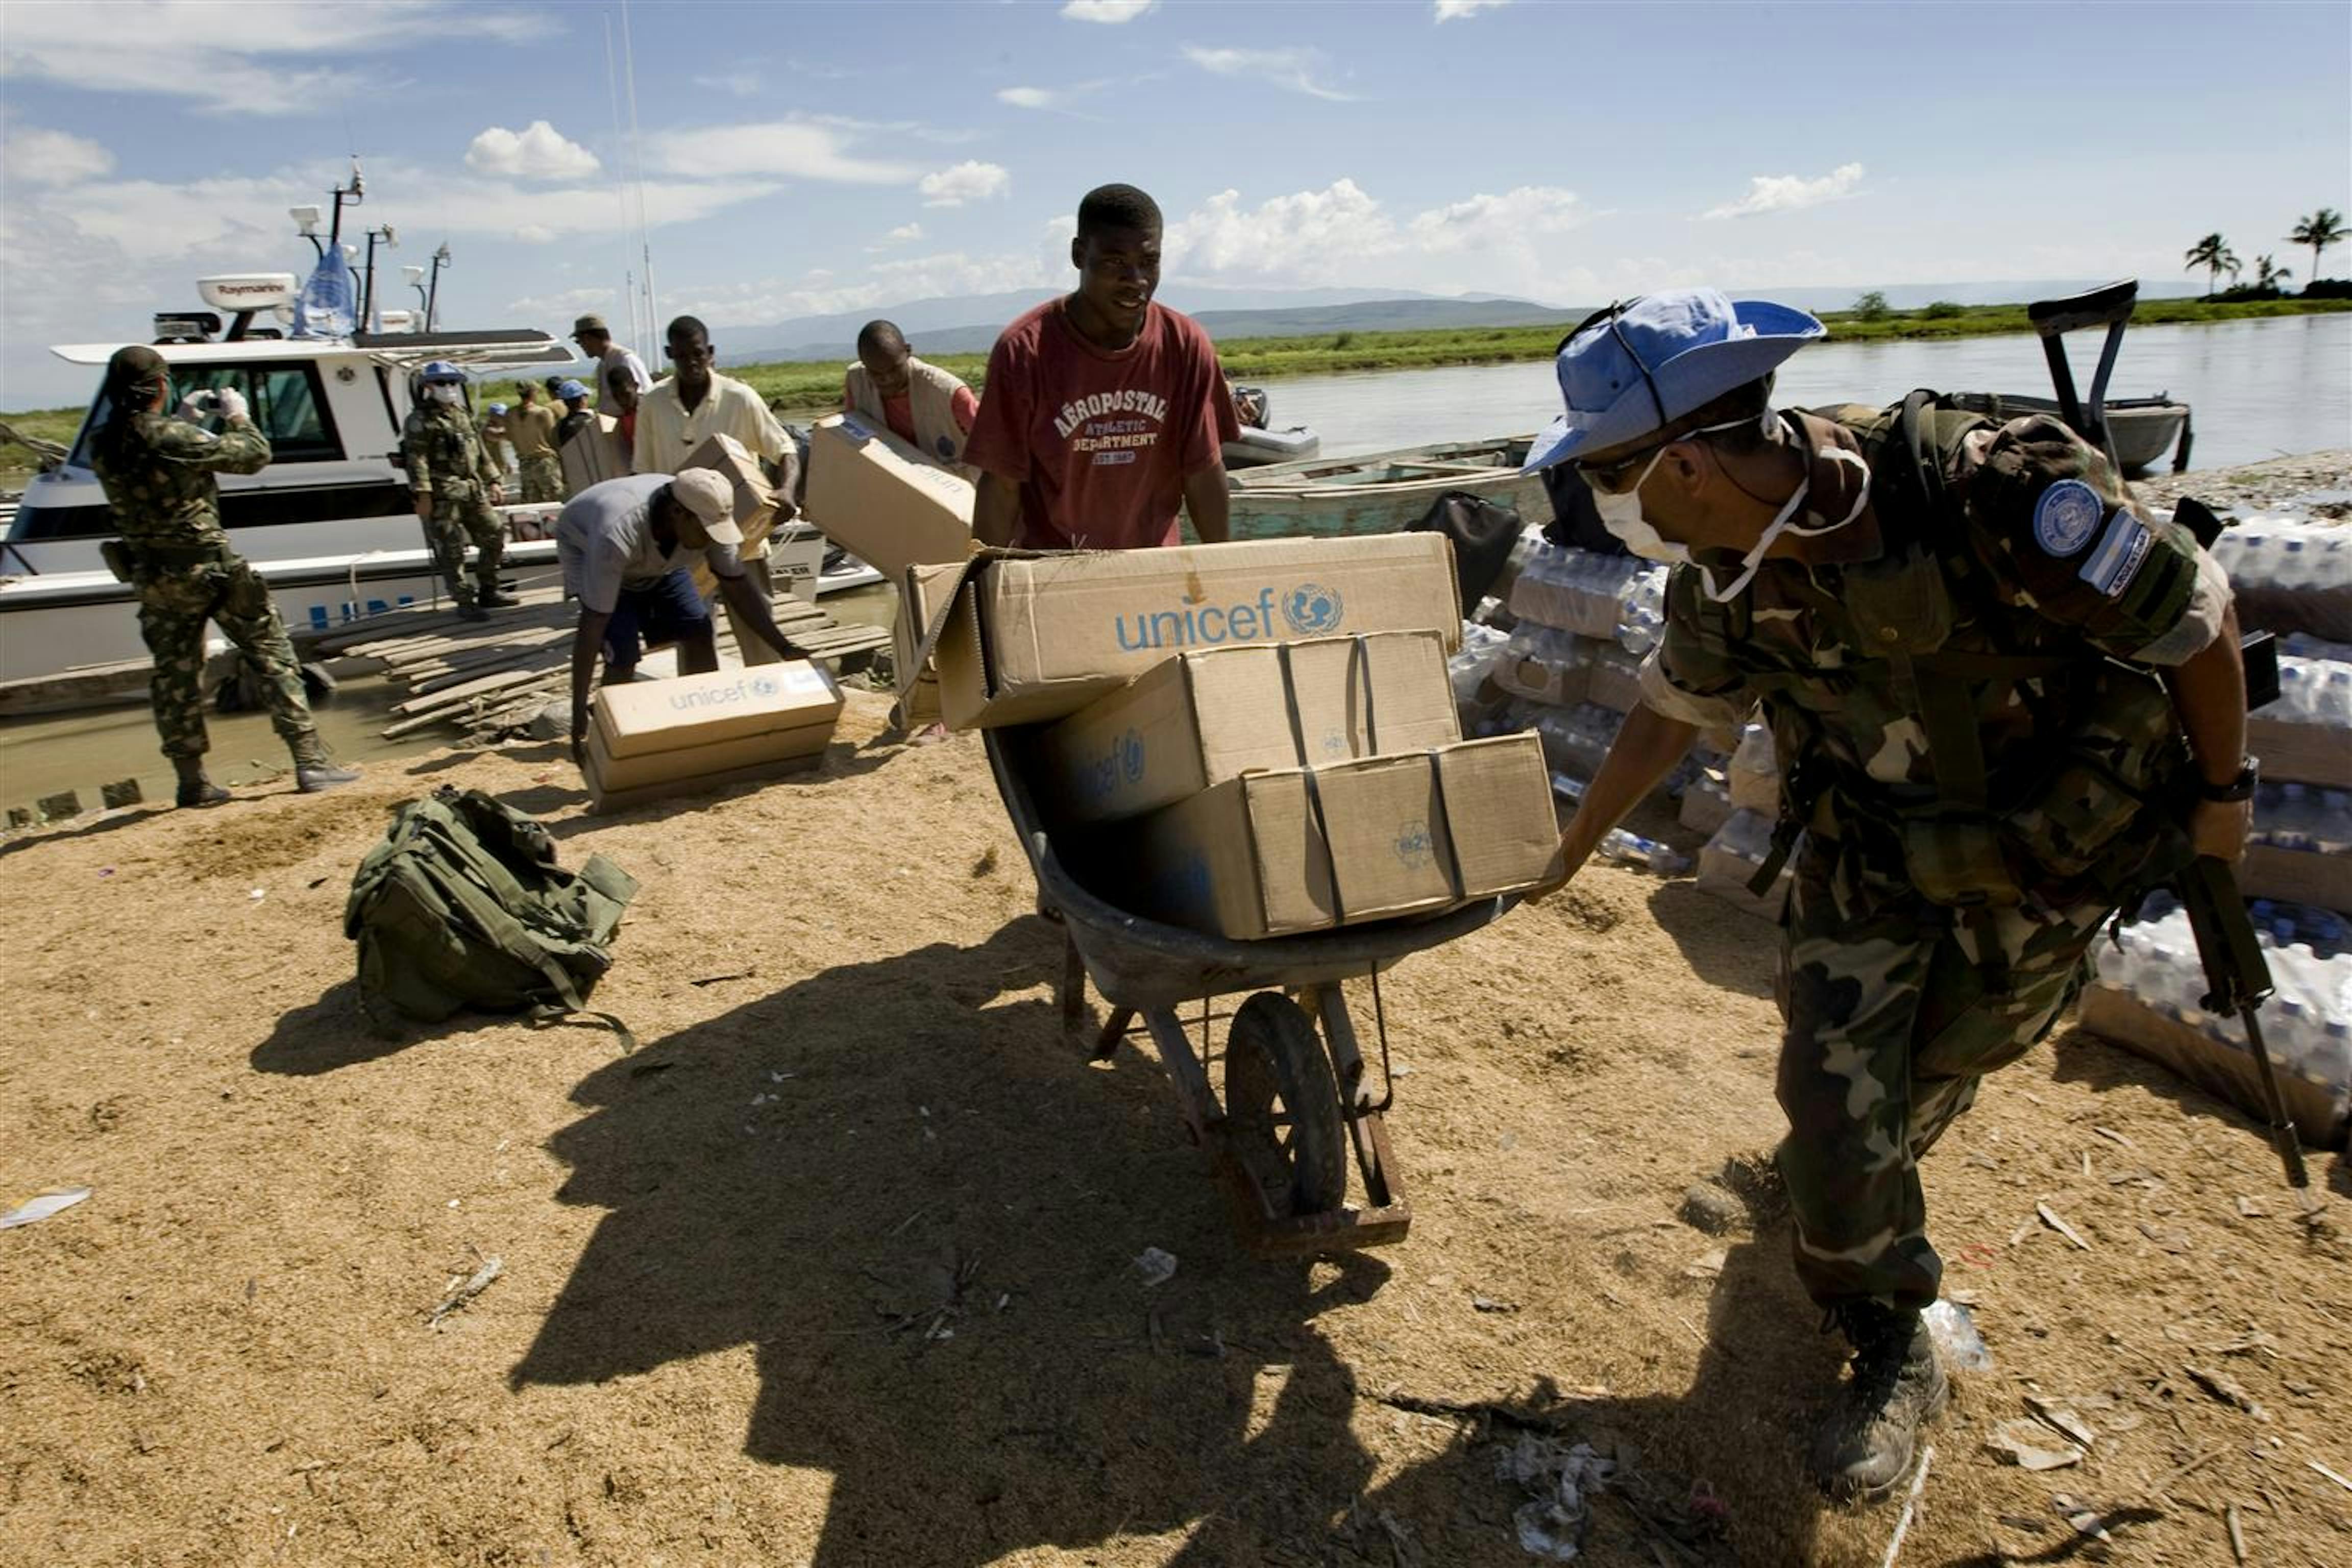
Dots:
pixel 458 486
pixel 2005 701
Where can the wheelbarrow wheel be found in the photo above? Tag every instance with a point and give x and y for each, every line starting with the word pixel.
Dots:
pixel 1282 1107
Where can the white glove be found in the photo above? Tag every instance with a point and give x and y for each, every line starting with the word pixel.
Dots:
pixel 233 404
pixel 198 406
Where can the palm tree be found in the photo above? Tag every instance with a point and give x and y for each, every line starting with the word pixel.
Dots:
pixel 2268 276
pixel 2213 254
pixel 2320 230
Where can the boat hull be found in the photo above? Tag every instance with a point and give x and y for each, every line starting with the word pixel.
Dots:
pixel 1381 492
pixel 2143 429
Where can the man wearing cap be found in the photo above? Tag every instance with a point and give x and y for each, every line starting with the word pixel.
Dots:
pixel 458 487
pixel 626 548
pixel 497 439
pixel 530 426
pixel 695 404
pixel 576 417
pixel 621 379
pixel 2005 701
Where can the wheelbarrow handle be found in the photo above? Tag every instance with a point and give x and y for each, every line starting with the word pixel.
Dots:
pixel 2100 307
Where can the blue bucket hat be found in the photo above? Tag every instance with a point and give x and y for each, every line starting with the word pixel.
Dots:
pixel 440 370
pixel 1637 367
pixel 570 390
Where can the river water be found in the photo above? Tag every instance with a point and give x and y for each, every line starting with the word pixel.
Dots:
pixel 2258 389
pixel 2255 389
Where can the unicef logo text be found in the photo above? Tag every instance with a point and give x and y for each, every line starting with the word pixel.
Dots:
pixel 1312 609
pixel 1414 849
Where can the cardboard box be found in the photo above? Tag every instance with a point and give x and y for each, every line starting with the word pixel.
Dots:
pixel 604 800
pixel 1025 637
pixel 921 588
pixel 2297 876
pixel 882 500
pixel 1264 855
pixel 593 456
pixel 1614 680
pixel 696 729
pixel 1213 714
pixel 2303 753
pixel 755 511
pixel 2217 1067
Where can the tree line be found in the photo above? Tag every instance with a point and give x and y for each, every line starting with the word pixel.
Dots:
pixel 2213 257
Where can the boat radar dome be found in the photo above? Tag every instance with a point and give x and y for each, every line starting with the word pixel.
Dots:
pixel 255 292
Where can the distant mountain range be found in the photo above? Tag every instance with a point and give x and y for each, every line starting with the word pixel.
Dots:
pixel 969 324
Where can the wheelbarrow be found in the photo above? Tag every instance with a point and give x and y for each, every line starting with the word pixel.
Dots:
pixel 1298 1098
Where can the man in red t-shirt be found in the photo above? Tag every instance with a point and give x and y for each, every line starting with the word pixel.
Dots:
pixel 1102 411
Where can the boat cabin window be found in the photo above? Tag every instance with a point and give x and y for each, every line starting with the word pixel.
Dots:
pixel 288 405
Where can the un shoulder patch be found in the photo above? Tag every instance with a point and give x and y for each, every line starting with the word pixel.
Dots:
pixel 2065 517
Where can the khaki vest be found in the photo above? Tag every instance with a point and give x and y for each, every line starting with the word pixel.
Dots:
pixel 930 396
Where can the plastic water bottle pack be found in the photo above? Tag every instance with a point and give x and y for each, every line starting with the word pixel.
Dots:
pixel 2303 818
pixel 2290 574
pixel 2306 1023
pixel 1482 649
pixel 2313 692
pixel 1605 597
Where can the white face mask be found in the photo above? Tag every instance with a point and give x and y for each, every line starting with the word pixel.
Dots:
pixel 1755 557
pixel 1621 513
pixel 447 391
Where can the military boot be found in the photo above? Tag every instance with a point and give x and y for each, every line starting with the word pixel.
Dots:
pixel 1895 1386
pixel 195 789
pixel 491 597
pixel 314 771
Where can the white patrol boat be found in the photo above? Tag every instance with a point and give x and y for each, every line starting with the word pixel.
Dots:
pixel 329 524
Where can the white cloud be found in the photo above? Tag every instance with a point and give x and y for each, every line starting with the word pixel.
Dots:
pixel 36 157
pixel 775 150
pixel 904 234
pixel 537 152
pixel 946 274
pixel 1025 97
pixel 1293 70
pixel 1789 193
pixel 1111 11
pixel 1456 10
pixel 1344 235
pixel 212 52
pixel 966 182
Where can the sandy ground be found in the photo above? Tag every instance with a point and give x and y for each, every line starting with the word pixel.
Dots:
pixel 838 1267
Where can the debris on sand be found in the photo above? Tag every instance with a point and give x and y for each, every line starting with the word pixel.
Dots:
pixel 473 1285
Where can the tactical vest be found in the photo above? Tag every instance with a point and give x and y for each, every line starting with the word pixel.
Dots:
pixel 2093 813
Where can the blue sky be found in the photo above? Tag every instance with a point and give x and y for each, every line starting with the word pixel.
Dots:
pixel 808 158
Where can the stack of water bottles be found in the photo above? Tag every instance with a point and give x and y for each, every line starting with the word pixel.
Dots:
pixel 2301 844
pixel 2150 990
pixel 1732 857
pixel 2290 574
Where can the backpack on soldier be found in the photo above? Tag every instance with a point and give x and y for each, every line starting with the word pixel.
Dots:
pixel 463 906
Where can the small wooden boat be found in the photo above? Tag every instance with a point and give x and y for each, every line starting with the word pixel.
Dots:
pixel 1381 492
pixel 2144 428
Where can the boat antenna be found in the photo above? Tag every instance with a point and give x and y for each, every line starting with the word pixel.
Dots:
pixel 621 180
pixel 637 160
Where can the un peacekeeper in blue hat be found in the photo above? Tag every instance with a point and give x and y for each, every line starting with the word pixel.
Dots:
pixel 2004 701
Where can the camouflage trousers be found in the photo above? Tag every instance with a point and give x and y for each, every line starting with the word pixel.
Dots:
pixel 1891 1023
pixel 174 606
pixel 543 479
pixel 458 520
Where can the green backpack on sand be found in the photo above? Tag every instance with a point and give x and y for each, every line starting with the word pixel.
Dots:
pixel 463 905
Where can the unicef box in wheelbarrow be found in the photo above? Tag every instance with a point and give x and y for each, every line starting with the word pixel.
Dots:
pixel 1021 637
pixel 652 739
pixel 1204 717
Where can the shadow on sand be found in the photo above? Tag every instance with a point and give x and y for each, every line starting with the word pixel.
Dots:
pixel 896 1183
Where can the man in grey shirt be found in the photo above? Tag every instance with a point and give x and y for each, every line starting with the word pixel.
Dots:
pixel 627 549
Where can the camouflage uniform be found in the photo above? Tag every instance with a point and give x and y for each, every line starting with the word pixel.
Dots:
pixel 1930 938
pixel 184 573
pixel 449 465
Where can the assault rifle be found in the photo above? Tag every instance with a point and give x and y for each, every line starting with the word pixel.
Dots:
pixel 2237 977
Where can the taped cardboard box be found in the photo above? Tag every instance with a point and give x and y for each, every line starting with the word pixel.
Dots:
pixel 1213 714
pixel 882 500
pixel 1026 637
pixel 593 456
pixel 2301 750
pixel 690 732
pixel 755 511
pixel 1273 854
pixel 2298 876
pixel 919 589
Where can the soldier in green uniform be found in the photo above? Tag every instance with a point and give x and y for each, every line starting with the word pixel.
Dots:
pixel 2004 701
pixel 157 472
pixel 458 484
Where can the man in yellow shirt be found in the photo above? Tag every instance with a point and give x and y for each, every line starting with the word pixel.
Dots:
pixel 695 404
pixel 531 430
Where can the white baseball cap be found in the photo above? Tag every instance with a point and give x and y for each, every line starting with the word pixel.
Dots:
pixel 711 499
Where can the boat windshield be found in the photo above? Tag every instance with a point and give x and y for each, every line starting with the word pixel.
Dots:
pixel 287 400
